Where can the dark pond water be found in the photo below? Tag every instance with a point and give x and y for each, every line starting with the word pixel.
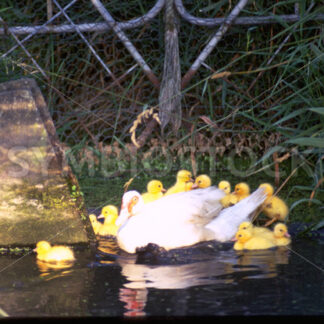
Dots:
pixel 207 279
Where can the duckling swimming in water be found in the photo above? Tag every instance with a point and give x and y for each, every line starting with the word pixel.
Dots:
pixel 281 235
pixel 246 240
pixel 58 253
pixel 109 227
pixel 256 230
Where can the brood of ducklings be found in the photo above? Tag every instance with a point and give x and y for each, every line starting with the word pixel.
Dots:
pixel 202 181
pixel 246 240
pixel 273 207
pixel 256 230
pixel 155 191
pixel 95 223
pixel 181 185
pixel 182 219
pixel 58 253
pixel 109 227
pixel 281 235
pixel 225 186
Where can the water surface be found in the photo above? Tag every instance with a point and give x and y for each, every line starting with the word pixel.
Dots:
pixel 207 279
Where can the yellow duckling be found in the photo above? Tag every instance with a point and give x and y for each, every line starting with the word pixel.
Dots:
pixel 242 190
pixel 247 241
pixel 202 181
pixel 225 186
pixel 109 227
pixel 58 253
pixel 273 207
pixel 229 199
pixel 281 235
pixel 256 230
pixel 155 191
pixel 94 222
pixel 183 177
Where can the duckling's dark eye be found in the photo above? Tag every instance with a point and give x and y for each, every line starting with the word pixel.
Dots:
pixel 240 235
pixel 159 186
pixel 244 227
pixel 199 181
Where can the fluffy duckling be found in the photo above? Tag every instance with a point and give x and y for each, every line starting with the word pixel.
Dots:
pixel 256 230
pixel 246 240
pixel 230 198
pixel 242 190
pixel 94 222
pixel 183 177
pixel 109 227
pixel 225 186
pixel 273 207
pixel 202 181
pixel 281 235
pixel 155 191
pixel 58 253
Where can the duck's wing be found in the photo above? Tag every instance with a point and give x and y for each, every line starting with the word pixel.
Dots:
pixel 196 206
pixel 226 224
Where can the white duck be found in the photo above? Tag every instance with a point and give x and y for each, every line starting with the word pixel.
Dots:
pixel 181 219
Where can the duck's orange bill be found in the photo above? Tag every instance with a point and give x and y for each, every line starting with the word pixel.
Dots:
pixel 131 204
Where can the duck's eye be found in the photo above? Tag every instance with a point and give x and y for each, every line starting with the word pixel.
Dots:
pixel 245 227
pixel 240 235
pixel 159 186
pixel 199 181
pixel 135 198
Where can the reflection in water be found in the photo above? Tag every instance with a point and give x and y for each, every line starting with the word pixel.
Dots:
pixel 217 267
pixel 135 300
pixel 224 268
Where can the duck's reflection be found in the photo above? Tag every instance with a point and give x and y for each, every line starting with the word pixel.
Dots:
pixel 217 267
pixel 228 267
pixel 135 301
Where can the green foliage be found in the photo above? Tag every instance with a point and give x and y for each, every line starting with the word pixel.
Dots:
pixel 274 93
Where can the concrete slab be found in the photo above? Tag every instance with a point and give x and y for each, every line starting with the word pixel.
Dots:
pixel 39 195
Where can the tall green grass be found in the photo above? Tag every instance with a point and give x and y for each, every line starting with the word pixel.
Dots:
pixel 267 108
